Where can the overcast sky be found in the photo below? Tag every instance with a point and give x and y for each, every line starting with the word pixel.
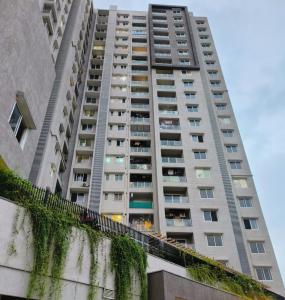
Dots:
pixel 250 39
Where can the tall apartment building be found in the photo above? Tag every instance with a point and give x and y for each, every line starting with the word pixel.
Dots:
pixel 157 143
pixel 134 120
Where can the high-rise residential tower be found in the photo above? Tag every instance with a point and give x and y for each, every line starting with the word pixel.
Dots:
pixel 139 126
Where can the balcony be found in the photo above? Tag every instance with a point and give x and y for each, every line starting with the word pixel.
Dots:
pixel 140 149
pixel 139 106
pixel 140 184
pixel 164 75
pixel 169 127
pixel 139 83
pixel 140 133
pixel 140 120
pixel 141 222
pixel 141 204
pixel 174 178
pixel 140 166
pixel 139 62
pixel 169 112
pixel 172 160
pixel 170 143
pixel 140 94
pixel 175 199
pixel 178 217
pixel 178 222
pixel 165 87
pixel 48 21
pixel 162 46
pixel 167 99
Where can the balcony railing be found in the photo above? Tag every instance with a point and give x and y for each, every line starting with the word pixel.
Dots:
pixel 169 126
pixel 164 76
pixel 140 166
pixel 174 179
pixel 162 54
pixel 169 112
pixel 143 83
pixel 140 133
pixel 179 222
pixel 139 62
pixel 166 87
pixel 175 199
pixel 167 99
pixel 142 106
pixel 141 227
pixel 134 94
pixel 140 120
pixel 140 184
pixel 161 45
pixel 170 143
pixel 141 204
pixel 140 149
pixel 174 160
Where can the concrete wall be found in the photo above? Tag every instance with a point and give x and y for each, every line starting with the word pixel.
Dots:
pixel 175 287
pixel 25 65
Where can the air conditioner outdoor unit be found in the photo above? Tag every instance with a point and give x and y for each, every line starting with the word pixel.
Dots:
pixel 85 184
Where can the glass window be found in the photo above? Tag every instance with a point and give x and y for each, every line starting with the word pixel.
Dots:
pixel 225 120
pixel 118 196
pixel 235 164
pixel 214 240
pixel 206 193
pixel 231 148
pixel 245 202
pixel 263 273
pixel 119 160
pixel 250 223
pixel 203 173
pixel 118 177
pixel 194 122
pixel 221 106
pixel 257 247
pixel 197 138
pixel 228 132
pixel 190 95
pixel 240 183
pixel 192 108
pixel 210 215
pixel 200 154
pixel 17 124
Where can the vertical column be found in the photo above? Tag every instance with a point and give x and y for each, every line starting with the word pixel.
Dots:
pixel 101 127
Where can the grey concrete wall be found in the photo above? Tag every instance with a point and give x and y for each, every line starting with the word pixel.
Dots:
pixel 25 65
pixel 167 286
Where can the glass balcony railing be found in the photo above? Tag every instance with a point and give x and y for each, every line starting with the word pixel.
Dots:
pixel 147 204
pixel 169 126
pixel 176 199
pixel 140 166
pixel 140 184
pixel 161 45
pixel 142 106
pixel 170 143
pixel 140 83
pixel 140 120
pixel 139 62
pixel 140 149
pixel 164 76
pixel 140 133
pixel 167 99
pixel 166 87
pixel 174 179
pixel 142 226
pixel 140 94
pixel 163 54
pixel 173 160
pixel 179 222
pixel 169 112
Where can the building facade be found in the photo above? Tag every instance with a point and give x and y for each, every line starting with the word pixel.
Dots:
pixel 135 121
pixel 157 145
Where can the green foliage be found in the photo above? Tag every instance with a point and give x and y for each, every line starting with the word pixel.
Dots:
pixel 235 283
pixel 127 257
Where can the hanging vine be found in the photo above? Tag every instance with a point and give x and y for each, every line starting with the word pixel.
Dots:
pixel 128 257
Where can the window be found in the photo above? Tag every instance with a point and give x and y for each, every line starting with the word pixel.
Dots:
pixel 218 95
pixel 120 143
pixel 184 61
pixel 181 42
pixel 210 62
pixel 263 273
pixel 235 165
pixel 245 201
pixel 206 193
pixel 188 83
pixel 17 124
pixel 78 197
pixel 190 95
pixel 194 122
pixel 86 127
pixel 250 223
pixel 221 106
pixel 108 159
pixel 84 143
pixel 80 177
pixel 210 215
pixel 118 196
pixel 200 154
pixel 192 108
pixel 197 138
pixel 240 183
pixel 203 172
pixel 228 132
pixel 118 177
pixel 120 160
pixel 183 52
pixel 257 247
pixel 214 240
pixel 231 148
pixel 106 196
pixel 121 127
pixel 107 177
pixel 225 120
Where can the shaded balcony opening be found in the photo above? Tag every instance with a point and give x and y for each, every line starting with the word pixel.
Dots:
pixel 140 130
pixel 139 40
pixel 172 156
pixel 186 239
pixel 178 217
pixel 139 144
pixel 140 180
pixel 141 222
pixel 170 139
pixel 161 33
pixel 175 195
pixel 140 103
pixel 139 79
pixel 164 72
pixel 173 174
pixel 141 200
pixel 168 109
pixel 172 124
pixel 158 42
pixel 165 96
pixel 140 162
pixel 137 115
pixel 139 69
pixel 163 60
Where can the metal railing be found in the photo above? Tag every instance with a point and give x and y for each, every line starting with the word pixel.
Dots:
pixel 175 199
pixel 140 149
pixel 140 133
pixel 174 179
pixel 169 126
pixel 174 160
pixel 178 222
pixel 170 143
pixel 140 166
pixel 140 184
pixel 20 191
pixel 167 99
